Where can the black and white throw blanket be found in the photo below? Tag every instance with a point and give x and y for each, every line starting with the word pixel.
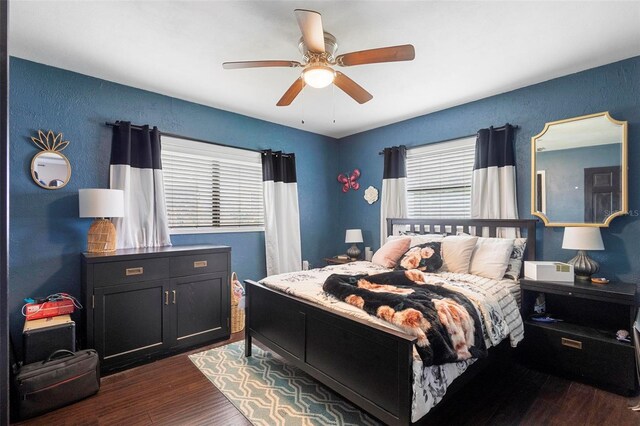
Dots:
pixel 445 322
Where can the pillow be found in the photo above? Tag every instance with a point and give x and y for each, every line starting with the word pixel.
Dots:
pixel 417 239
pixel 515 261
pixel 389 254
pixel 456 253
pixel 490 257
pixel 424 257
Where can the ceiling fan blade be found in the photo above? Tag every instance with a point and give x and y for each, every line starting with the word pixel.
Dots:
pixel 406 52
pixel 310 24
pixel 352 88
pixel 291 93
pixel 259 64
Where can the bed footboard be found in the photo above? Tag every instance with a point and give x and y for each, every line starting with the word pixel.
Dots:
pixel 367 364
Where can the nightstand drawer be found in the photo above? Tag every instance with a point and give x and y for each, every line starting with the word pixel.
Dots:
pixel 606 362
pixel 199 264
pixel 130 271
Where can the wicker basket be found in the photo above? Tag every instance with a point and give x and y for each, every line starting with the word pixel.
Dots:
pixel 237 314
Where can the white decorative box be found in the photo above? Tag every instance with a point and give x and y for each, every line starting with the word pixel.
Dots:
pixel 548 271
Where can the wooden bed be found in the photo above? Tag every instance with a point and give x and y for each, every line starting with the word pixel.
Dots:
pixel 368 364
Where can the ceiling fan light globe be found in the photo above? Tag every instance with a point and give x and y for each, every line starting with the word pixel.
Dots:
pixel 318 76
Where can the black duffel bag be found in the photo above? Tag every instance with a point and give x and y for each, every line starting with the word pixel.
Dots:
pixel 61 379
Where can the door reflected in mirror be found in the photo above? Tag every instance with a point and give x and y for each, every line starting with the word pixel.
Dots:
pixel 579 171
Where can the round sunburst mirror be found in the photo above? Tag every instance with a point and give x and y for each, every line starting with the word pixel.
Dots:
pixel 50 169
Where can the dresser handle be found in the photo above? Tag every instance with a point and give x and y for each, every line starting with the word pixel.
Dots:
pixel 174 296
pixel 134 271
pixel 571 343
pixel 166 297
pixel 200 264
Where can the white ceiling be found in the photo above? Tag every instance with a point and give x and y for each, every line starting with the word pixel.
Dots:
pixel 464 50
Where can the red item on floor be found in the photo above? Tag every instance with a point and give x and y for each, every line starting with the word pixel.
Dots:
pixel 48 309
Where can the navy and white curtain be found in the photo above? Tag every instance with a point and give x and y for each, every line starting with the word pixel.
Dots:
pixel 493 188
pixel 281 213
pixel 393 201
pixel 137 170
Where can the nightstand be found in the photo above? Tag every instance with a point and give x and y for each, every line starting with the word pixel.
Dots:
pixel 584 345
pixel 336 261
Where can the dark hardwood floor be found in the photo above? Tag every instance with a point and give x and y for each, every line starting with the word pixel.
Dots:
pixel 172 391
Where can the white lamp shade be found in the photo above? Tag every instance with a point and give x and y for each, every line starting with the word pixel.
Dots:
pixel 353 236
pixel 101 202
pixel 582 238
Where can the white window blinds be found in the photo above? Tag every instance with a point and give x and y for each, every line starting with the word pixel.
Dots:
pixel 210 187
pixel 439 179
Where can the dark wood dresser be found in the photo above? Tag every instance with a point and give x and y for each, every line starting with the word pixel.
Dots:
pixel 584 344
pixel 142 304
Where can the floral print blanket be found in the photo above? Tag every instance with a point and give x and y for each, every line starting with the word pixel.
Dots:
pixel 443 320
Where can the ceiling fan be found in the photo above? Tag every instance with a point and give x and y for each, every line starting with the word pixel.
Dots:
pixel 318 49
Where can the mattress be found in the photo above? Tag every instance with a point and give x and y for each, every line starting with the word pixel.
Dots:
pixel 495 301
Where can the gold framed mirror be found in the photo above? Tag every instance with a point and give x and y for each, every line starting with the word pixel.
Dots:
pixel 579 171
pixel 50 169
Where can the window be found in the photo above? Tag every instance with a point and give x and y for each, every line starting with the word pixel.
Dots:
pixel 211 188
pixel 439 179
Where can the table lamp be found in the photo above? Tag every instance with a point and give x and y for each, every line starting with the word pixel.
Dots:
pixel 101 204
pixel 353 236
pixel 583 239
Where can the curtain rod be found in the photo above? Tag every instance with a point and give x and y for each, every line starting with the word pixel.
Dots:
pixel 453 139
pixel 173 135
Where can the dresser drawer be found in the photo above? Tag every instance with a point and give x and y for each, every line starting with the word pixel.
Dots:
pixel 199 264
pixel 130 271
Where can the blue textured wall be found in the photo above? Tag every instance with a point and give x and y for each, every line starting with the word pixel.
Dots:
pixel 46 233
pixel 614 88
pixel 47 236
pixel 565 179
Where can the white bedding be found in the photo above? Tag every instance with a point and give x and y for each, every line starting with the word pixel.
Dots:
pixel 495 302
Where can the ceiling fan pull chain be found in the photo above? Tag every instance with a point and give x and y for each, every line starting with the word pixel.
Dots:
pixel 304 97
pixel 333 101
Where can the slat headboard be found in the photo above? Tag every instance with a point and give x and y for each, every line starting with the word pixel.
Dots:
pixel 527 228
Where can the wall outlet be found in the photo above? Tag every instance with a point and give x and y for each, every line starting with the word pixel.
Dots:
pixel 305 265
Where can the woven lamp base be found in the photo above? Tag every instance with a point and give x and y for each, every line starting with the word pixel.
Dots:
pixel 102 237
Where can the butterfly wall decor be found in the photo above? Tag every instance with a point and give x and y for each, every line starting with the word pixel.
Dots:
pixel 349 181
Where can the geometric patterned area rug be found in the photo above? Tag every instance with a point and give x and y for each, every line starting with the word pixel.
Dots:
pixel 270 392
